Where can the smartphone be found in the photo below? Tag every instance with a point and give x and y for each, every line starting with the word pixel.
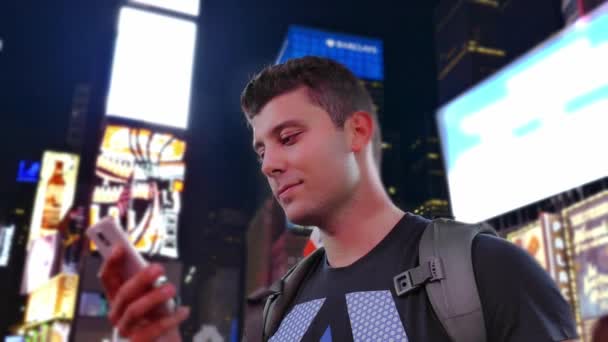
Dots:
pixel 106 234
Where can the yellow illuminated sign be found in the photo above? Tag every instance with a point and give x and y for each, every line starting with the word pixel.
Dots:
pixel 557 250
pixel 55 192
pixel 531 239
pixel 587 223
pixel 54 300
pixel 143 171
pixel 546 240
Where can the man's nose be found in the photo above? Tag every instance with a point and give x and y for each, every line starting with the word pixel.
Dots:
pixel 272 163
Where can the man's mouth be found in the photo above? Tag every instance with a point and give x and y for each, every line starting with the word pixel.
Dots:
pixel 285 188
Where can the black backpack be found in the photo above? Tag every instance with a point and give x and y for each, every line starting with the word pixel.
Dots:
pixel 445 270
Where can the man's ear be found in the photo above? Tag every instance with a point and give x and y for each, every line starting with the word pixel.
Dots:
pixel 360 128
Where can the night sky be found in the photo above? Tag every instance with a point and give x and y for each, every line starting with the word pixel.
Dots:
pixel 49 48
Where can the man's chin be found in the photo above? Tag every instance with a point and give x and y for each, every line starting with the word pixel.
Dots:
pixel 301 217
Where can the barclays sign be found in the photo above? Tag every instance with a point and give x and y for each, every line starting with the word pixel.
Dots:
pixel 362 55
pixel 352 46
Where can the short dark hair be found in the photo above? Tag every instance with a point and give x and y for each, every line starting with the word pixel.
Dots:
pixel 330 85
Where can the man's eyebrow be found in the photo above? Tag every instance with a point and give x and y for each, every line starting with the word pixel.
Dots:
pixel 278 128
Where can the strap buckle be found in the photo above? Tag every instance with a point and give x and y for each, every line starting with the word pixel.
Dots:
pixel 429 271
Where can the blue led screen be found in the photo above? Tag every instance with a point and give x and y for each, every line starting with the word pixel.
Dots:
pixel 363 56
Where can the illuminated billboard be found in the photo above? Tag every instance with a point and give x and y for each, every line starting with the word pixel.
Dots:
pixel 546 240
pixel 142 171
pixel 55 192
pixel 588 224
pixel 152 68
pixel 559 263
pixel 6 241
pixel 54 300
pixel 532 240
pixel 41 262
pixel 363 56
pixel 190 7
pixel 532 130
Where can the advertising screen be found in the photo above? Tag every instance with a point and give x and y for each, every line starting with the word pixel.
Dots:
pixel 41 262
pixel 54 300
pixel 6 241
pixel 55 192
pixel 141 173
pixel 532 240
pixel 546 240
pixel 60 331
pixel 588 223
pixel 190 7
pixel 558 243
pixel 361 55
pixel 152 68
pixel 532 130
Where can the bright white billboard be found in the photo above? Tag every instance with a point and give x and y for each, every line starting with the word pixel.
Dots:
pixel 152 68
pixel 534 129
pixel 190 7
pixel 6 242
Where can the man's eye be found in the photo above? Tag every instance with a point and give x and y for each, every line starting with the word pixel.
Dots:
pixel 261 157
pixel 290 139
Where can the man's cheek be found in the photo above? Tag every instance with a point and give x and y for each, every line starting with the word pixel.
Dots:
pixel 270 185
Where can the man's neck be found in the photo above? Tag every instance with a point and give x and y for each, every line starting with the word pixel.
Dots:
pixel 358 227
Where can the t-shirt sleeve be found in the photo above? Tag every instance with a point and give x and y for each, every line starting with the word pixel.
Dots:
pixel 520 300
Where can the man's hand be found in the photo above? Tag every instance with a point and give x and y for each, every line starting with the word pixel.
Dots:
pixel 135 304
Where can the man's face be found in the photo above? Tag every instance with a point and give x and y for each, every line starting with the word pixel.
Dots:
pixel 307 160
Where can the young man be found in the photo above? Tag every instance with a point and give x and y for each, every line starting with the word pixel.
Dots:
pixel 317 137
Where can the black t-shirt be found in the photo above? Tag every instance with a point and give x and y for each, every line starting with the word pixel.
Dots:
pixel 358 302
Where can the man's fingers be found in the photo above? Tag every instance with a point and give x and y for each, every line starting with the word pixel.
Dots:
pixel 111 271
pixel 144 306
pixel 135 287
pixel 113 262
pixel 163 326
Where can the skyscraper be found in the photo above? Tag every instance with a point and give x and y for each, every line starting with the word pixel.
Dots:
pixel 425 167
pixel 468 46
pixel 468 50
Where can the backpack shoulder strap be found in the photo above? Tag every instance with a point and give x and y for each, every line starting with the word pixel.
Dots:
pixel 284 291
pixel 446 271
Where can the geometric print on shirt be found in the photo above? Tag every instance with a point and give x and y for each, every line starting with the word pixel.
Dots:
pixel 296 323
pixel 374 317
